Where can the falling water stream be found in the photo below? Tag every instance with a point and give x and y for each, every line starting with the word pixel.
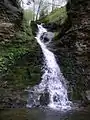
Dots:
pixel 52 90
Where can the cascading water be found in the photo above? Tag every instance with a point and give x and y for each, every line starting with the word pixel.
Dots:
pixel 52 89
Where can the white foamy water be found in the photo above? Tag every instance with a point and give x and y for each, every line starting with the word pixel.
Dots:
pixel 52 79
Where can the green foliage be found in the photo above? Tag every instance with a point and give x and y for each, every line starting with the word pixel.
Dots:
pixel 9 56
pixel 28 14
pixel 57 16
pixel 25 34
pixel 18 59
pixel 73 75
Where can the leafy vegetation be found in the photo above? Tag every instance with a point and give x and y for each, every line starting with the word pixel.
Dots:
pixel 28 14
pixel 58 16
pixel 18 51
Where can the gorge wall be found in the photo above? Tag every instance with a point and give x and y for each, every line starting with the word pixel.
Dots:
pixel 19 55
pixel 73 48
pixel 71 26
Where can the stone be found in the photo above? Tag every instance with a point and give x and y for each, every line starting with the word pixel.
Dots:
pixel 88 94
pixel 47 37
pixel 44 99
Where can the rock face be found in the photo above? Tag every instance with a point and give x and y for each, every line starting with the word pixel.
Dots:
pixel 88 94
pixel 73 48
pixel 44 99
pixel 10 15
pixel 10 10
pixel 47 37
pixel 19 56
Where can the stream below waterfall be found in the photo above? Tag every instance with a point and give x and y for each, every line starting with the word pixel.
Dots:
pixel 44 114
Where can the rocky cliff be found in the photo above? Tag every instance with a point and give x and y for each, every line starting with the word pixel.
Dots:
pixel 73 45
pixel 19 52
pixel 11 14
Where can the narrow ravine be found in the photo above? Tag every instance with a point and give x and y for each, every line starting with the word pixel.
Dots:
pixel 52 90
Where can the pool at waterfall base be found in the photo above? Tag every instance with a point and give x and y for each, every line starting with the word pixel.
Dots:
pixel 44 114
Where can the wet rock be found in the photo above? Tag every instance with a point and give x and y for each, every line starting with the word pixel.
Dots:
pixel 56 98
pixel 11 15
pixel 12 10
pixel 88 94
pixel 44 99
pixel 50 26
pixel 73 49
pixel 47 37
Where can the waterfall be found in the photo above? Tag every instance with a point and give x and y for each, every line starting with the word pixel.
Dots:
pixel 52 90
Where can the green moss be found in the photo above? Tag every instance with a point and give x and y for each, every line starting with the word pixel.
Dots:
pixel 74 77
pixel 28 14
pixel 58 16
pixel 18 59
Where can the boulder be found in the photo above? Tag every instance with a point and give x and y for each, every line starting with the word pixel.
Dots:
pixel 88 94
pixel 44 99
pixel 47 37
